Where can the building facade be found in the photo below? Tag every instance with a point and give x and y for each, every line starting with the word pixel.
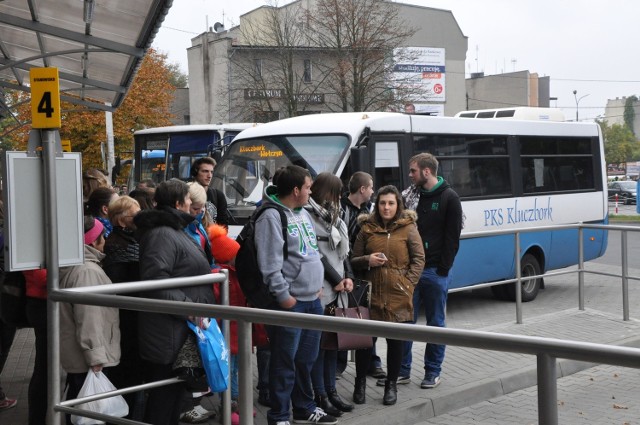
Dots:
pixel 521 88
pixel 247 73
pixel 614 113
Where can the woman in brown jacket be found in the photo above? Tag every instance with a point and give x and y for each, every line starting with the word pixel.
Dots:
pixel 389 251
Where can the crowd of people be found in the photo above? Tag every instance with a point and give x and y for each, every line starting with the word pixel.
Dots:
pixel 403 243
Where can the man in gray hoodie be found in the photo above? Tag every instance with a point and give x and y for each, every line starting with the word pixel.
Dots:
pixel 296 283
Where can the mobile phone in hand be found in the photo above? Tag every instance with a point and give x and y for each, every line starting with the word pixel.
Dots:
pixel 381 255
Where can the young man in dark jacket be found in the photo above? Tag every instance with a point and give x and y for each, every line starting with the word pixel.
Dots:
pixel 202 172
pixel 439 223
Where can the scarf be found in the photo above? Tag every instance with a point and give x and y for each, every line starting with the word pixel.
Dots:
pixel 335 227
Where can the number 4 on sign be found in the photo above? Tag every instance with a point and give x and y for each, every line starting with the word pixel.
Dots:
pixel 45 107
pixel 45 98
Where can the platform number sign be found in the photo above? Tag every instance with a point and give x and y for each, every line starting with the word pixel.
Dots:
pixel 45 97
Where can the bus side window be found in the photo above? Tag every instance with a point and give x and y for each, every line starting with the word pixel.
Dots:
pixel 387 164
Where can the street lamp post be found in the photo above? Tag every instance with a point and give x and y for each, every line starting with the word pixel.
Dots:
pixel 578 99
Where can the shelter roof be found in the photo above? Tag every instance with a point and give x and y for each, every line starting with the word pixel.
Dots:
pixel 97 45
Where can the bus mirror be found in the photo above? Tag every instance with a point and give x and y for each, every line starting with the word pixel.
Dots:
pixel 359 159
pixel 217 155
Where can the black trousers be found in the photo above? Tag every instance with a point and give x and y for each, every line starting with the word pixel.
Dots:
pixel 163 403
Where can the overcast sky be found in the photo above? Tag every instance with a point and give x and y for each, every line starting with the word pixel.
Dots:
pixel 584 45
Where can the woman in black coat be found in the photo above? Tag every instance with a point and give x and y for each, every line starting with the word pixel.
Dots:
pixel 166 251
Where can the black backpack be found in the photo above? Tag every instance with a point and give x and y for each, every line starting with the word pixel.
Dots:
pixel 249 276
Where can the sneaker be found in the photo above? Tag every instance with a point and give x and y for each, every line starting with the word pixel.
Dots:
pixel 377 372
pixel 283 423
pixel 7 403
pixel 430 381
pixel 318 416
pixel 402 380
pixel 197 415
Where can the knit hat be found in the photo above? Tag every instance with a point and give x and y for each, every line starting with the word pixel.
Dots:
pixel 94 232
pixel 223 248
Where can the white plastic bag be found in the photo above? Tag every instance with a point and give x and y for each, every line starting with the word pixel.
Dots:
pixel 97 383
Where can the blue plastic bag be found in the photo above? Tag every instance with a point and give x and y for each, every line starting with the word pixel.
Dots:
pixel 214 353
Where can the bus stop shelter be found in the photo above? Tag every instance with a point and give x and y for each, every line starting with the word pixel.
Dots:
pixel 97 47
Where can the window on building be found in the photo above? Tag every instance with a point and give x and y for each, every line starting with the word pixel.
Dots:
pixel 266 116
pixel 306 77
pixel 258 66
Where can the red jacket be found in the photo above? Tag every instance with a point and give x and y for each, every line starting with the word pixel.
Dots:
pixel 36 283
pixel 237 299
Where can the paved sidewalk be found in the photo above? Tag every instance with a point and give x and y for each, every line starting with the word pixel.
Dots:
pixel 600 395
pixel 470 376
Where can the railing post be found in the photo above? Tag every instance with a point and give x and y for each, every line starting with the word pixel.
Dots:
pixel 580 267
pixel 245 374
pixel 518 283
pixel 547 390
pixel 53 274
pixel 625 276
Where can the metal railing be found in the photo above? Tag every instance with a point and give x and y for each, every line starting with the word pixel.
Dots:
pixel 546 350
pixel 580 267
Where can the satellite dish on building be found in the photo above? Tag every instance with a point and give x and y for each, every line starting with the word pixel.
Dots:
pixel 217 27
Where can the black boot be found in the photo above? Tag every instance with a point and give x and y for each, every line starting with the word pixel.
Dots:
pixel 338 403
pixel 323 402
pixel 359 390
pixel 390 393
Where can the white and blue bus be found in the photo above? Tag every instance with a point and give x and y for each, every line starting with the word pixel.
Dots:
pixel 510 174
pixel 162 153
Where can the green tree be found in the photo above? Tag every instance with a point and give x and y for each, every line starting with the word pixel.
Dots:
pixel 619 143
pixel 630 113
pixel 177 78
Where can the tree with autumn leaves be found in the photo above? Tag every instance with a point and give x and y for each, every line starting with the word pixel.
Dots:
pixel 147 105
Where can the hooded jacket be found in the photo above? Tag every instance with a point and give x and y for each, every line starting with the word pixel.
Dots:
pixel 89 334
pixel 391 284
pixel 440 223
pixel 166 251
pixel 301 274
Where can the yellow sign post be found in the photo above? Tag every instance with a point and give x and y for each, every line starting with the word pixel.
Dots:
pixel 45 98
pixel 66 145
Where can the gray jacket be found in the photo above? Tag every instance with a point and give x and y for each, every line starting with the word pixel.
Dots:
pixel 301 275
pixel 89 334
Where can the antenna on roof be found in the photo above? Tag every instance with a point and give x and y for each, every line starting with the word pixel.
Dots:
pixel 217 27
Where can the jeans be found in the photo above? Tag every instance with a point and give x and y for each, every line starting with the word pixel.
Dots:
pixel 263 358
pixel 293 353
pixel 38 390
pixel 234 366
pixel 323 374
pixel 431 293
pixel 6 339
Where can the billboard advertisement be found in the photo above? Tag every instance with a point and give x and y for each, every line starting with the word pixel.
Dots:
pixel 421 71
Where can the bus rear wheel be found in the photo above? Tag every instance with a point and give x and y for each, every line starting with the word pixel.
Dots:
pixel 530 288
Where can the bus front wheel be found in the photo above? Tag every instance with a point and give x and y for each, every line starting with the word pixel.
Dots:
pixel 530 288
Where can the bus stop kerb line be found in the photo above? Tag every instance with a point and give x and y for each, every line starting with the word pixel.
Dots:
pixel 546 350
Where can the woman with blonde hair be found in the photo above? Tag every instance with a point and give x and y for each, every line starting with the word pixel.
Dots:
pixel 122 264
pixel 91 180
pixel 197 228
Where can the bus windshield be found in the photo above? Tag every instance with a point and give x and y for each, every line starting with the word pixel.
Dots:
pixel 248 165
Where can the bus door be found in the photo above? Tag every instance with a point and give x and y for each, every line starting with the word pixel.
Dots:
pixel 389 156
